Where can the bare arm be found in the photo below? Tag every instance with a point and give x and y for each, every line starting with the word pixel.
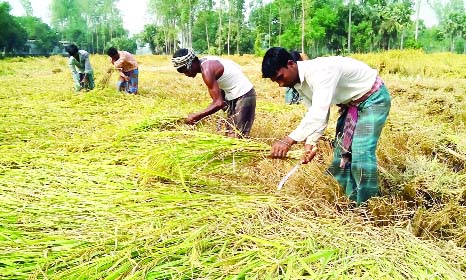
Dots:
pixel 119 66
pixel 211 70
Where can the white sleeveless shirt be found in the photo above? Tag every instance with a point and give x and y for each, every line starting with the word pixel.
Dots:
pixel 233 82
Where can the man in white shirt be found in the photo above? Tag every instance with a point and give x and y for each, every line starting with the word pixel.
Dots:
pixel 228 87
pixel 365 104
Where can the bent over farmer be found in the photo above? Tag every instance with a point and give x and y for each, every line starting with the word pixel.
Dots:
pixel 80 67
pixel 228 87
pixel 126 64
pixel 364 101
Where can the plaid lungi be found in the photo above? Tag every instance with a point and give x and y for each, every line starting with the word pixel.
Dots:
pixel 359 177
pixel 130 86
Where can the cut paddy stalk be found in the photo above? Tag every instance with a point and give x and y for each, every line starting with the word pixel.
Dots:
pixel 75 167
pixel 103 83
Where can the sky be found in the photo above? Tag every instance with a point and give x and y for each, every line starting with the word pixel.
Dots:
pixel 134 13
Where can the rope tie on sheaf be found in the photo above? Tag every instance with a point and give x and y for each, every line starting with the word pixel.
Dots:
pixel 186 60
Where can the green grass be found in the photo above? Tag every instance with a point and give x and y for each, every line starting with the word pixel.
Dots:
pixel 102 185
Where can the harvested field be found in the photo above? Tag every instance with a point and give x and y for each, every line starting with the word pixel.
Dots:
pixel 104 185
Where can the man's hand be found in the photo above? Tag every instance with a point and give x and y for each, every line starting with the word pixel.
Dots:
pixel 85 79
pixel 280 147
pixel 191 119
pixel 123 76
pixel 310 152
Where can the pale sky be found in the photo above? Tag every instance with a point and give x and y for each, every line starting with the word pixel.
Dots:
pixel 134 12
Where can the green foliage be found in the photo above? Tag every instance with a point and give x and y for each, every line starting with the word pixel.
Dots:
pixel 259 50
pixel 13 35
pixel 44 37
pixel 412 44
pixel 27 7
pixel 289 39
pixel 91 24
pixel 221 27
pixel 362 36
pixel 125 44
pixel 204 31
pixel 153 35
pixel 454 27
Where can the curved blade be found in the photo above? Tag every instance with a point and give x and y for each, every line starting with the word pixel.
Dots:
pixel 287 176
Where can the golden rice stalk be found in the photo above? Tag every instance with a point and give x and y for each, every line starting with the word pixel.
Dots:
pixel 103 83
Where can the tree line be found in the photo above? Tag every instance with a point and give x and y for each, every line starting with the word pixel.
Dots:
pixel 222 27
pixel 312 26
pixel 94 25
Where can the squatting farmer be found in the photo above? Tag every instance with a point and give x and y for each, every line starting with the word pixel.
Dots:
pixel 126 64
pixel 80 67
pixel 364 101
pixel 228 87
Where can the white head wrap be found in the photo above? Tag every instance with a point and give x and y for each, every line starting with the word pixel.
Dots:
pixel 186 60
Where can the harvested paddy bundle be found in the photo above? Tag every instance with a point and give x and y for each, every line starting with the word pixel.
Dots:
pixel 194 156
pixel 160 123
pixel 444 221
pixel 103 83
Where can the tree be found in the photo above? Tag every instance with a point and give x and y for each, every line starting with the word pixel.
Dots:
pixel 88 23
pixel 302 25
pixel 168 17
pixel 45 39
pixel 125 44
pixel 395 16
pixel 13 35
pixel 203 30
pixel 418 8
pixel 153 35
pixel 454 27
pixel 321 27
pixel 27 7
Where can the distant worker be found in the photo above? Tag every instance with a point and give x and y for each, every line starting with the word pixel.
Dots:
pixel 228 87
pixel 81 68
pixel 126 64
pixel 291 94
pixel 365 104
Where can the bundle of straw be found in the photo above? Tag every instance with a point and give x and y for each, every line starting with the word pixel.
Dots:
pixel 103 83
pixel 160 123
pixel 195 156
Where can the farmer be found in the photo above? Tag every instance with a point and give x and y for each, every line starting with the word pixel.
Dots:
pixel 291 94
pixel 126 64
pixel 364 101
pixel 228 87
pixel 80 67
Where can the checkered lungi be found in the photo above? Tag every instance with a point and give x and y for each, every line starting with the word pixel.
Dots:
pixel 130 86
pixel 359 177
